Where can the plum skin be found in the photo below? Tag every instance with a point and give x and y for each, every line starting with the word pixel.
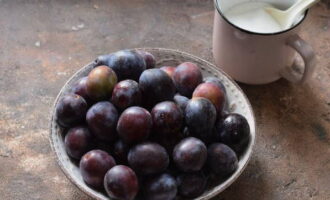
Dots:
pixel 77 141
pixel 191 185
pixel 102 118
pixel 234 131
pixel 216 81
pixel 161 187
pixel 148 158
pixel 221 159
pixel 94 165
pixel 200 117
pixel 186 78
pixel 169 70
pixel 148 58
pixel 213 93
pixel 80 88
pixel 70 110
pixel 125 94
pixel 181 101
pixel 190 155
pixel 134 125
pixel 121 182
pixel 128 64
pixel 167 118
pixel 156 86
pixel 100 83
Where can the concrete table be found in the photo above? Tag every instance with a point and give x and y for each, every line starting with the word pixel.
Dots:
pixel 42 43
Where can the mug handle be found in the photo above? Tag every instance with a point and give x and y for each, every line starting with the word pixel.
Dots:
pixel 292 73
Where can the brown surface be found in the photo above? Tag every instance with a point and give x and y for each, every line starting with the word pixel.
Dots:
pixel 40 48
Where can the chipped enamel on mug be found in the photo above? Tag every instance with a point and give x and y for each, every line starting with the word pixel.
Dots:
pixel 260 58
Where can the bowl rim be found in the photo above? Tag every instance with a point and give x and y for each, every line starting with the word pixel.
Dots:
pixel 212 193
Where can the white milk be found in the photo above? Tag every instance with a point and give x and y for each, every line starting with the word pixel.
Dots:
pixel 251 16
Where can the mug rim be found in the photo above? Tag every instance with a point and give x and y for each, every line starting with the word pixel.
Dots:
pixel 216 5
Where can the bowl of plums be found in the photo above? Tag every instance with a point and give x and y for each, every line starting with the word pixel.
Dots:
pixel 152 124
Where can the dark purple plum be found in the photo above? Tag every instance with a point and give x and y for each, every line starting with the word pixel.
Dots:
pixel 148 58
pixel 156 86
pixel 94 165
pixel 200 117
pixel 134 125
pixel 234 131
pixel 216 81
pixel 100 83
pixel 80 88
pixel 148 158
pixel 120 152
pixel 167 119
pixel 127 64
pixel 126 94
pixel 181 101
pixel 221 159
pixel 169 70
pixel 186 77
pixel 71 110
pixel 77 141
pixel 121 183
pixel 190 155
pixel 160 187
pixel 102 119
pixel 211 92
pixel 191 185
pixel 102 60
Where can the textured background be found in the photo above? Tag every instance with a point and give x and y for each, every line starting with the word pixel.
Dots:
pixel 42 43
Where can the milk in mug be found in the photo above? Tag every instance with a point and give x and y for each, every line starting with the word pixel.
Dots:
pixel 253 17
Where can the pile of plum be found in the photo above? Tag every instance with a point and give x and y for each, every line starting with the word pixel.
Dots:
pixel 142 132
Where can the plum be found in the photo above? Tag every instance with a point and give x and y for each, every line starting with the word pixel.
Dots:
pixel 217 81
pixel 94 165
pixel 221 159
pixel 77 141
pixel 156 86
pixel 213 93
pixel 191 185
pixel 128 64
pixel 181 101
pixel 148 58
pixel 102 119
pixel 120 182
pixel 120 152
pixel 186 78
pixel 70 110
pixel 134 125
pixel 148 158
pixel 169 70
pixel 234 131
pixel 190 154
pixel 102 60
pixel 200 117
pixel 80 88
pixel 100 83
pixel 167 118
pixel 161 187
pixel 126 94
